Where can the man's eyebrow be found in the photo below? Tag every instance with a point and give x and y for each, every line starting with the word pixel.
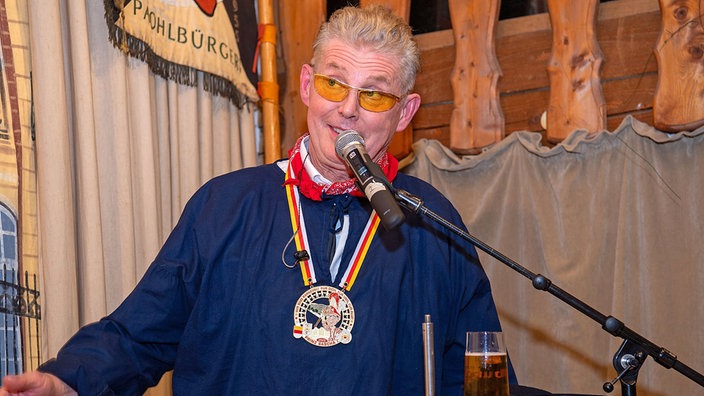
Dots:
pixel 375 79
pixel 335 66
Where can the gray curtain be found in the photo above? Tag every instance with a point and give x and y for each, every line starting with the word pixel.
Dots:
pixel 614 219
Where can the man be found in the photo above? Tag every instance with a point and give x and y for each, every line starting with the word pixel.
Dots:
pixel 278 279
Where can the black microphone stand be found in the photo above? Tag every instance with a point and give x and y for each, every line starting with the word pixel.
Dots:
pixel 635 348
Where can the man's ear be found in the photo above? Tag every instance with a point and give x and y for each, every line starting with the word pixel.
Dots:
pixel 410 107
pixel 305 80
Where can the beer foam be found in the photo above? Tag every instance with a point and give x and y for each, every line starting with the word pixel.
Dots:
pixel 485 353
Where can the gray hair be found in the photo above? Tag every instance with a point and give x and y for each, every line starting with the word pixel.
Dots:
pixel 377 28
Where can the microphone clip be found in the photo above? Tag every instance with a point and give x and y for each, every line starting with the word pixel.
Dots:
pixel 301 255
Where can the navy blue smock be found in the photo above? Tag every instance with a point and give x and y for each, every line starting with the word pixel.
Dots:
pixel 217 303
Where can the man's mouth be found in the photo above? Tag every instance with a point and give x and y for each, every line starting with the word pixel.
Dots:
pixel 339 130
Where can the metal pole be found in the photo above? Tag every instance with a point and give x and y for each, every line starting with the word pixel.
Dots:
pixel 429 356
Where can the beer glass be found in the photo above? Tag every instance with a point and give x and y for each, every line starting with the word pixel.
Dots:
pixel 485 365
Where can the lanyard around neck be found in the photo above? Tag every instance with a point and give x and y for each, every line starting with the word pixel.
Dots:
pixel 301 238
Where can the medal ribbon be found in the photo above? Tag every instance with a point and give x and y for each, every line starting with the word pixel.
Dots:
pixel 301 238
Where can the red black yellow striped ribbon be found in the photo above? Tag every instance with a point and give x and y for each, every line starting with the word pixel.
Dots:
pixel 301 239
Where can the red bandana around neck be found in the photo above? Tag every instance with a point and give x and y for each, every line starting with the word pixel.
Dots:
pixel 310 189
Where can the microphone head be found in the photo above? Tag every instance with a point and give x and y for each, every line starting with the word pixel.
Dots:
pixel 346 140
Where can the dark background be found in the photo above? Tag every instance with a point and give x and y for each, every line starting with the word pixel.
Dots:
pixel 432 15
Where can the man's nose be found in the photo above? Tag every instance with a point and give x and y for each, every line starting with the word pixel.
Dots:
pixel 349 107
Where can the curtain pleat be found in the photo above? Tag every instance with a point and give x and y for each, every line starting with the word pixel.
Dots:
pixel 236 159
pixel 205 122
pixel 247 130
pixel 57 230
pixel 221 137
pixel 89 245
pixel 166 171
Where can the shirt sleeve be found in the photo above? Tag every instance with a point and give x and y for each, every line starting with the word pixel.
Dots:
pixel 129 350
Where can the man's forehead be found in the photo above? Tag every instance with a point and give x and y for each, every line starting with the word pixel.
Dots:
pixel 359 64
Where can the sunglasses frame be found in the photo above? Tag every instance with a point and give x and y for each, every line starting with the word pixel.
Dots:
pixel 360 100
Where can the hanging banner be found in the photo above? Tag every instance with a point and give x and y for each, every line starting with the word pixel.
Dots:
pixel 178 38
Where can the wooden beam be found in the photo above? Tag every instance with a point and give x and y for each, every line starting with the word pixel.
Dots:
pixel 679 98
pixel 269 89
pixel 576 100
pixel 477 120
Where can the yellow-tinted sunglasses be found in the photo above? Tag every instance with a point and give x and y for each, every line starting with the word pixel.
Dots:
pixel 336 91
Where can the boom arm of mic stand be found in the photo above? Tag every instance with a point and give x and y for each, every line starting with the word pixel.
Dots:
pixel 609 323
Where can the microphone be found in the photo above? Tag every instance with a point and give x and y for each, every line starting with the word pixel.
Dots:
pixel 370 178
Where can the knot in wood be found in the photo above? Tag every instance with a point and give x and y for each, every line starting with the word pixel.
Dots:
pixel 696 52
pixel 681 14
pixel 577 60
pixel 578 84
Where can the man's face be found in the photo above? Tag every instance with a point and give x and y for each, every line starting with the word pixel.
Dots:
pixel 363 69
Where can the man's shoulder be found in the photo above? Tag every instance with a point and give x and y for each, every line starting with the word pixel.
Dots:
pixel 235 185
pixel 408 180
pixel 419 187
pixel 261 175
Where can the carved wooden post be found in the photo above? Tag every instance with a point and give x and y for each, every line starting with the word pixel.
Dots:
pixel 679 96
pixel 576 100
pixel 477 120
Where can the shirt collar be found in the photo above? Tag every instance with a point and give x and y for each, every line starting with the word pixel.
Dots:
pixel 314 174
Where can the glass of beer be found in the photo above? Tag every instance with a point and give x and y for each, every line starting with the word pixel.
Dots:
pixel 485 365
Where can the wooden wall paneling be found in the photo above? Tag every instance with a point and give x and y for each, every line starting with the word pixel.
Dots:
pixel 645 116
pixel 441 134
pixel 524 109
pixel 576 100
pixel 401 8
pixel 522 113
pixel 627 30
pixel 628 95
pixel 679 98
pixel 433 81
pixel 523 59
pixel 627 35
pixel 299 23
pixel 627 38
pixel 476 120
